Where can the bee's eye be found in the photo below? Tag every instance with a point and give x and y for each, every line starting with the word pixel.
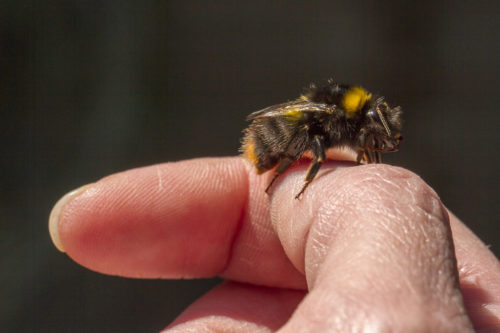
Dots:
pixel 373 115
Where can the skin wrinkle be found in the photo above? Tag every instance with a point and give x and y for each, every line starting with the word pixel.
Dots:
pixel 318 248
pixel 450 283
pixel 160 187
pixel 321 232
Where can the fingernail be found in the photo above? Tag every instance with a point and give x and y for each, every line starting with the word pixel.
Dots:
pixel 56 212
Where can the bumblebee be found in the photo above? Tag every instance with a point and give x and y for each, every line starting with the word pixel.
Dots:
pixel 328 116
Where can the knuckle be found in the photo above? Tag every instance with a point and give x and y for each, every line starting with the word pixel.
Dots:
pixel 389 185
pixel 379 196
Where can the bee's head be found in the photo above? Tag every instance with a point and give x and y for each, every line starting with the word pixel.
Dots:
pixel 383 126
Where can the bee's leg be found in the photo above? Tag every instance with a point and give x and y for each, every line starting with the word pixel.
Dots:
pixel 372 156
pixel 367 155
pixel 318 149
pixel 283 164
pixel 361 153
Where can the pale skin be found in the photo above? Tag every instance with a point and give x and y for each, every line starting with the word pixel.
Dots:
pixel 366 248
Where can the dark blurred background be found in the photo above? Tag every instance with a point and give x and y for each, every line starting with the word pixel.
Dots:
pixel 89 88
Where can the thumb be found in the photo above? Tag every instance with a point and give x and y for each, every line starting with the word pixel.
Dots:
pixel 375 245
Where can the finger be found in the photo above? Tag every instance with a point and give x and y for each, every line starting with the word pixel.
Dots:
pixel 196 218
pixel 101 230
pixel 376 247
pixel 236 307
pixel 479 273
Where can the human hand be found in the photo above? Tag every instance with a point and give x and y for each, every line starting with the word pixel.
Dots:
pixel 365 248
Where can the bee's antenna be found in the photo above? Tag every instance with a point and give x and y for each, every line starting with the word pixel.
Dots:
pixel 384 122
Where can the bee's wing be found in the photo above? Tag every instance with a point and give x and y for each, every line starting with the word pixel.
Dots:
pixel 298 105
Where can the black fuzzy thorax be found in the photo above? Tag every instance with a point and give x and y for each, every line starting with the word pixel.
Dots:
pixel 331 93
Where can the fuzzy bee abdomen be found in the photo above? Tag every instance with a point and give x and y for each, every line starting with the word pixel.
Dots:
pixel 266 140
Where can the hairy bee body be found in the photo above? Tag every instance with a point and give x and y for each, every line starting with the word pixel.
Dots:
pixel 268 139
pixel 329 116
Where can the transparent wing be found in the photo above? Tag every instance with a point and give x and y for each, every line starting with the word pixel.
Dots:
pixel 298 105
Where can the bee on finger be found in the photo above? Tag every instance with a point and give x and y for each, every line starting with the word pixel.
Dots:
pixel 328 116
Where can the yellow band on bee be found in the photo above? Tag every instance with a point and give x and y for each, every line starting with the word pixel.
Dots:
pixel 354 99
pixel 249 152
pixel 293 114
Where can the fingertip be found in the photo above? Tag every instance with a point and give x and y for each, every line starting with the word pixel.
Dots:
pixel 56 213
pixel 169 220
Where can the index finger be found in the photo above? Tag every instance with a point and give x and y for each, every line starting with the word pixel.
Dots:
pixel 189 219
